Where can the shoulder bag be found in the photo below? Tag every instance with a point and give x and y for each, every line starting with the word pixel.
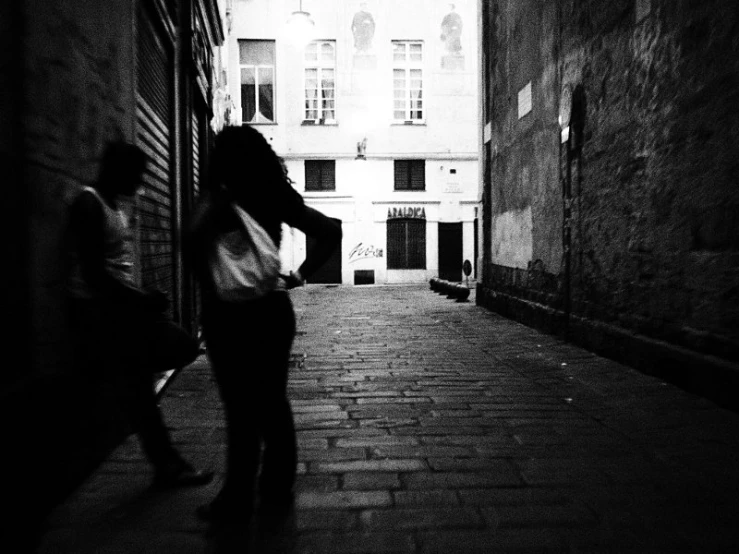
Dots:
pixel 245 263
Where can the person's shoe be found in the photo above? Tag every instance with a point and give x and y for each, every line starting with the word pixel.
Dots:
pixel 181 475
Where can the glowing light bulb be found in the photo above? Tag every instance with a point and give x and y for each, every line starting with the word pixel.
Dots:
pixel 301 28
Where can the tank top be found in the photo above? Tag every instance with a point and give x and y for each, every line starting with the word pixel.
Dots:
pixel 117 250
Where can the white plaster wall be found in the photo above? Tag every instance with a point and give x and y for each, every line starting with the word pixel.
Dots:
pixel 512 238
pixel 448 139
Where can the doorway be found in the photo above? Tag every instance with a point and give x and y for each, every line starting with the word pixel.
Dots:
pixel 330 272
pixel 450 251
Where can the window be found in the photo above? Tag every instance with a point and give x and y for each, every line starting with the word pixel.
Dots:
pixel 320 84
pixel 410 175
pixel 408 81
pixel 257 64
pixel 320 175
pixel 406 244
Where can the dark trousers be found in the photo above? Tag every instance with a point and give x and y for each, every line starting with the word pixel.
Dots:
pixel 122 349
pixel 249 348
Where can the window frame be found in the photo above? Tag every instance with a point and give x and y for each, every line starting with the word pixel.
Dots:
pixel 259 118
pixel 411 163
pixel 411 115
pixel 320 67
pixel 406 260
pixel 321 165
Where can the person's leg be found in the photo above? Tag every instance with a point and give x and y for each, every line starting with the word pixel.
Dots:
pixel 279 461
pixel 146 418
pixel 242 458
pixel 134 370
pixel 228 335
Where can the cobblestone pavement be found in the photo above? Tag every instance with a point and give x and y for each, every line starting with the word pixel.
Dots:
pixel 431 426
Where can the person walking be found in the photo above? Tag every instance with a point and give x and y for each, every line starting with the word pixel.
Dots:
pixel 121 330
pixel 249 342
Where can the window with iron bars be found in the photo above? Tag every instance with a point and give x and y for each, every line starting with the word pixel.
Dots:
pixel 320 82
pixel 406 244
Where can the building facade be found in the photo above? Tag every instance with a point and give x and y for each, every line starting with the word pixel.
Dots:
pixel 609 176
pixel 376 119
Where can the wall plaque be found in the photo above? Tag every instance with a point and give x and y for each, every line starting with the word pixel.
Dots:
pixel 524 100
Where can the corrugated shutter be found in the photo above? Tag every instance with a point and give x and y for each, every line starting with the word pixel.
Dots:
pixel 197 148
pixel 195 153
pixel 153 133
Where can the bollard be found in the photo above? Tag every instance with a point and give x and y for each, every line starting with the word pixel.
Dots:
pixel 443 287
pixel 463 293
pixel 435 284
pixel 452 290
pixel 454 293
pixel 446 288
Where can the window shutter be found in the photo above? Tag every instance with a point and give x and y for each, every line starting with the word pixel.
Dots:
pixel 312 176
pixel 320 175
pixel 329 175
pixel 418 175
pixel 401 174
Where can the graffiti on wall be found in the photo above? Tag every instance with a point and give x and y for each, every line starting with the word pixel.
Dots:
pixel 364 252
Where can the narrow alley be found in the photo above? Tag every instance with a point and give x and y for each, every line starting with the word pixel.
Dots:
pixel 426 426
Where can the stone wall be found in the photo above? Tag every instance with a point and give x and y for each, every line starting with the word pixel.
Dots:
pixel 67 67
pixel 79 94
pixel 650 167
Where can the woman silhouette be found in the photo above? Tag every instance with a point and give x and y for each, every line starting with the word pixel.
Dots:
pixel 249 342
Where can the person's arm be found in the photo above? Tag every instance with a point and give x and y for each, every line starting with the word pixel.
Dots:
pixel 327 234
pixel 87 221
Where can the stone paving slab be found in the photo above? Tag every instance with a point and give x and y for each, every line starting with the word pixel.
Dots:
pixel 427 425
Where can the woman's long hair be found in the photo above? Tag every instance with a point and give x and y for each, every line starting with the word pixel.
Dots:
pixel 244 163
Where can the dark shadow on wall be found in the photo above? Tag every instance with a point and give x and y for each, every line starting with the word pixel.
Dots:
pixel 59 428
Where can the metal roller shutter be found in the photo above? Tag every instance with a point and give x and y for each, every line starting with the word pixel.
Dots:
pixel 195 153
pixel 153 134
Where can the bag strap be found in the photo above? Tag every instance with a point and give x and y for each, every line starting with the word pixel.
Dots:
pixel 253 227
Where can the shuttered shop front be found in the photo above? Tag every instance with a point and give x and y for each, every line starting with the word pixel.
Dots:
pixel 155 73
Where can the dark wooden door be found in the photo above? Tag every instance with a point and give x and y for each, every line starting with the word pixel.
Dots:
pixel 450 251
pixel 330 272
